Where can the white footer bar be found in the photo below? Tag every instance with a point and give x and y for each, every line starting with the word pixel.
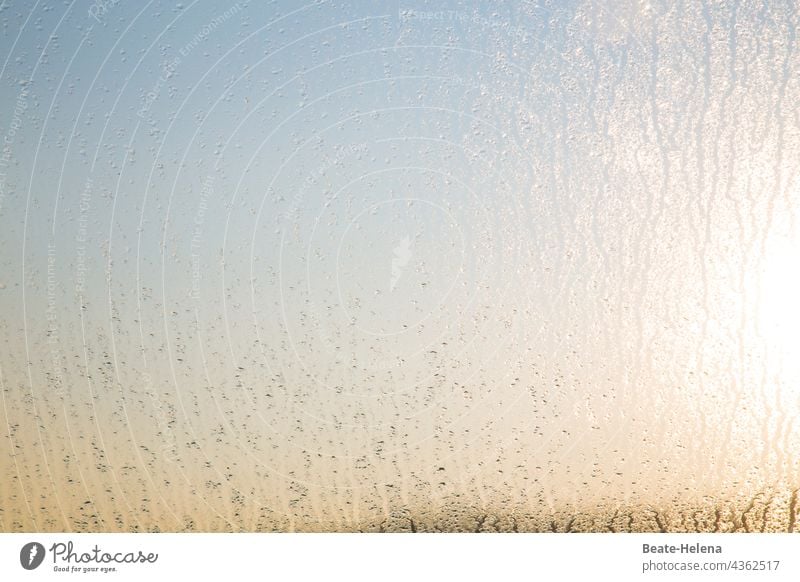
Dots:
pixel 406 557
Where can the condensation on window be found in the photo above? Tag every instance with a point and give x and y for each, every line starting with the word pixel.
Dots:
pixel 444 266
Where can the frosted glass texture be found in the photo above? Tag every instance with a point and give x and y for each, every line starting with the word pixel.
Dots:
pixel 446 266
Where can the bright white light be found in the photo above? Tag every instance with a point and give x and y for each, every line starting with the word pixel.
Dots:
pixel 779 305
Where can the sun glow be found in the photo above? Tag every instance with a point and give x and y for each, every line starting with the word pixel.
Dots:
pixel 779 303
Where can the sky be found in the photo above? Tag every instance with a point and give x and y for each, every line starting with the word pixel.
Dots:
pixel 339 265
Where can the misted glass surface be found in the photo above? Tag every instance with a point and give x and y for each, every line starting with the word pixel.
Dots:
pixel 402 266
